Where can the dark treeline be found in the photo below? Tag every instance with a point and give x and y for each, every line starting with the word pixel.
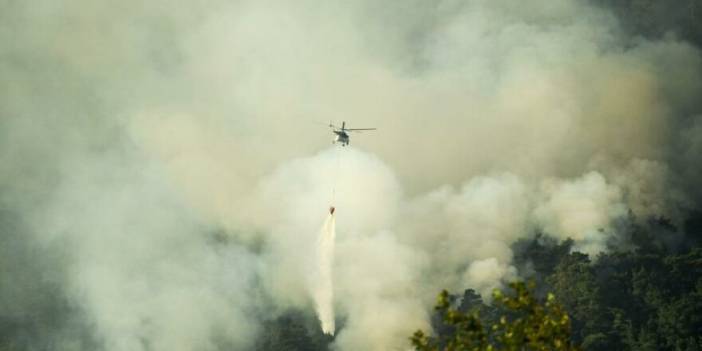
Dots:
pixel 647 298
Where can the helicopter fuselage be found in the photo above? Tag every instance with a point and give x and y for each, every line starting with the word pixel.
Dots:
pixel 341 137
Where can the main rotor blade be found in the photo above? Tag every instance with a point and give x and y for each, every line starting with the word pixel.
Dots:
pixel 325 124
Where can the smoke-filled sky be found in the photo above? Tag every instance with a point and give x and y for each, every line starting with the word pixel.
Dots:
pixel 163 172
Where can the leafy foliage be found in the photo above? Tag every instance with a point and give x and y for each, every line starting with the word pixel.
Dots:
pixel 526 323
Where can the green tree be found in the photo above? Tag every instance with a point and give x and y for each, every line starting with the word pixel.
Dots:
pixel 574 282
pixel 526 323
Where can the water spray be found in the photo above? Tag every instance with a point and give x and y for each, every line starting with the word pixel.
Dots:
pixel 323 291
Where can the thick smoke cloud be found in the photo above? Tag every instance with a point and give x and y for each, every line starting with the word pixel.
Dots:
pixel 167 180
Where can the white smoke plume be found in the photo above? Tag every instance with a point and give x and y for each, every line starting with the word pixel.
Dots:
pixel 583 209
pixel 161 158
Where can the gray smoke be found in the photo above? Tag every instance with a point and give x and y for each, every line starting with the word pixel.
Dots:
pixel 164 182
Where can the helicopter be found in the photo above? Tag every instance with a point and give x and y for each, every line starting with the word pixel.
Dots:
pixel 341 133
